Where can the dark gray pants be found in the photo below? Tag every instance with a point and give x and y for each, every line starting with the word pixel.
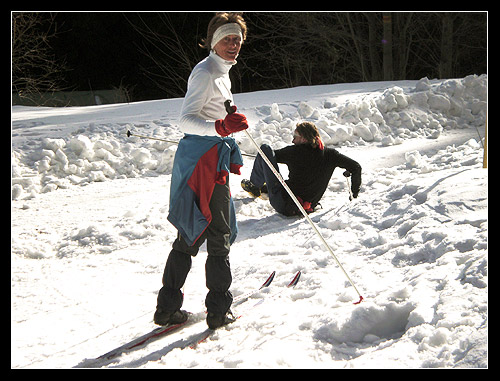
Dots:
pixel 217 267
pixel 278 196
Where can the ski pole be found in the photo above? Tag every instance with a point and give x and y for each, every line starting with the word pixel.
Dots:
pixel 230 110
pixel 347 174
pixel 129 134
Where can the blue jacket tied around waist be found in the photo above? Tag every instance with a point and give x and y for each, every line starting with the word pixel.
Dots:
pixel 201 162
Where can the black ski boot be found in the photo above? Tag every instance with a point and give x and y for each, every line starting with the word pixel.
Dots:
pixel 162 317
pixel 248 186
pixel 215 321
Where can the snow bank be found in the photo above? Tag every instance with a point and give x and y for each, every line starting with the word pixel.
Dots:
pixel 101 151
pixel 98 153
pixel 389 117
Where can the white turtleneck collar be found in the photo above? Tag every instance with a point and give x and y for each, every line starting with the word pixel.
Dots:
pixel 223 64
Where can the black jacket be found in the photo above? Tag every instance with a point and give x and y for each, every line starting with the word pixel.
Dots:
pixel 310 170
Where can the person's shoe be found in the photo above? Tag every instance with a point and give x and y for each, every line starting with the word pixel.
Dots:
pixel 162 317
pixel 215 321
pixel 248 186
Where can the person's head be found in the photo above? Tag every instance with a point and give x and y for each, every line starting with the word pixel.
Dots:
pixel 226 32
pixel 307 133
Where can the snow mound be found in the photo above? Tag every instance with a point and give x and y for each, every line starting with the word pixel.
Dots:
pixel 99 153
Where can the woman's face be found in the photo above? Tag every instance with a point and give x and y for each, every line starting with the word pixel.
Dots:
pixel 297 139
pixel 229 47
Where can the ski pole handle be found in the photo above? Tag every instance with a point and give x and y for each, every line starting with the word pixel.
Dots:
pixel 229 108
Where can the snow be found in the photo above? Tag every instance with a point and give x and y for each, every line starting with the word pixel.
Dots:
pixel 89 234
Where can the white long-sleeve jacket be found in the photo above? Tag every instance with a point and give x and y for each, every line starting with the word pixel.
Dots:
pixel 208 87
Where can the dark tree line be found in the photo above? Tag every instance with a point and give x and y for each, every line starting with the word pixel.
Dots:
pixel 35 67
pixel 293 49
pixel 153 53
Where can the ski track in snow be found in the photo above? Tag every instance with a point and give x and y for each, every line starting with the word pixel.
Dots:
pixel 90 236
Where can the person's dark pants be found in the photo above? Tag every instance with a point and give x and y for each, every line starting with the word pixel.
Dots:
pixel 261 173
pixel 217 267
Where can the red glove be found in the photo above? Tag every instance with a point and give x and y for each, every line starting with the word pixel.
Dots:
pixel 231 123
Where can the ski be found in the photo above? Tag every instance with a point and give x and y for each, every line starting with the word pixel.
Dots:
pixel 277 294
pixel 136 343
pixel 163 331
pixel 243 297
pixel 195 340
pixel 148 337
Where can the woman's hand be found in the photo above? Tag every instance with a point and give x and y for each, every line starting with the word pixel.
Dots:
pixel 231 123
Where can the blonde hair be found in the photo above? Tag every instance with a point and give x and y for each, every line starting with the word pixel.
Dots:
pixel 310 132
pixel 220 19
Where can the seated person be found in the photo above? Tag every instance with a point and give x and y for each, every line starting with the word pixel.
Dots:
pixel 310 166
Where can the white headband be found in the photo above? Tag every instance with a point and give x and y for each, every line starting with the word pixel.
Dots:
pixel 226 30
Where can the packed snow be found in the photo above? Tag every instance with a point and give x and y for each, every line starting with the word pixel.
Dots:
pixel 89 235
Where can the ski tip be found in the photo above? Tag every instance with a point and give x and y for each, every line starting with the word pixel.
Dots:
pixel 360 300
pixel 295 279
pixel 269 280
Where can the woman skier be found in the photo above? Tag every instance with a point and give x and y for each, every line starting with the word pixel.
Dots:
pixel 201 207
